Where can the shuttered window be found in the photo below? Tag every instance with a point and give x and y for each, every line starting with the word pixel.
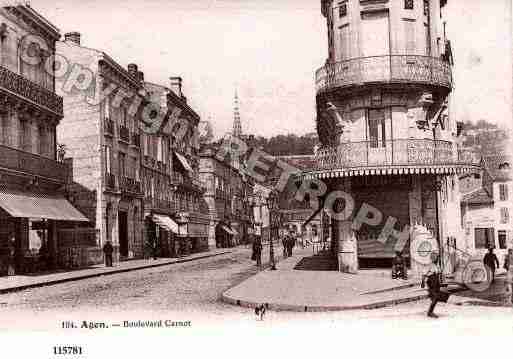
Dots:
pixel 503 192
pixel 345 42
pixel 504 215
pixel 409 37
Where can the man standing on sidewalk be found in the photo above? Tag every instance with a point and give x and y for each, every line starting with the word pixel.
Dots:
pixel 257 251
pixel 491 261
pixel 107 251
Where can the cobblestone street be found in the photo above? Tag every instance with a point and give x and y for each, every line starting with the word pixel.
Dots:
pixel 195 285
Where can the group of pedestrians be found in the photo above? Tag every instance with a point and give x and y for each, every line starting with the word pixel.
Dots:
pixel 289 242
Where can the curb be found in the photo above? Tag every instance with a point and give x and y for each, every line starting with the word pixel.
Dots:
pixel 305 308
pixel 93 275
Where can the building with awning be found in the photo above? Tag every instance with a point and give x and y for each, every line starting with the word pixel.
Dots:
pixel 39 206
pixel 35 216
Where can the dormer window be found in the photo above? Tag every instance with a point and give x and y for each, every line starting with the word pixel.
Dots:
pixel 408 4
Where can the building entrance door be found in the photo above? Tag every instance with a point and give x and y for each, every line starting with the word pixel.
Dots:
pixel 123 234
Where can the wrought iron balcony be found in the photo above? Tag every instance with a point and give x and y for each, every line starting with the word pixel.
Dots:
pixel 398 153
pixel 35 165
pixel 384 69
pixel 124 134
pixel 22 87
pixel 130 185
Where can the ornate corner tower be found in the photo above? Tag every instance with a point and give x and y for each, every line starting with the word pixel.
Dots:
pixel 383 100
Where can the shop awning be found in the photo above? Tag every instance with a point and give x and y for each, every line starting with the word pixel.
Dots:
pixel 35 205
pixel 165 222
pixel 183 161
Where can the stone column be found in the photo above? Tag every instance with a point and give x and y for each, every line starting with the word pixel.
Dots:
pixel 343 230
pixel 415 208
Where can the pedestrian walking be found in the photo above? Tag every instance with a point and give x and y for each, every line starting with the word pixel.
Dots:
pixel 257 252
pixel 284 244
pixel 491 261
pixel 11 251
pixel 434 283
pixel 108 249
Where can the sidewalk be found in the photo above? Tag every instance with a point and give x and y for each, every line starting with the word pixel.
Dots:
pixel 22 282
pixel 298 290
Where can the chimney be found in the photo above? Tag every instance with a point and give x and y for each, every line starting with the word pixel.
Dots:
pixel 176 85
pixel 133 70
pixel 73 37
pixel 140 76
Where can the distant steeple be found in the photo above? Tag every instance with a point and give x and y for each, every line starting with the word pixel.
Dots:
pixel 237 127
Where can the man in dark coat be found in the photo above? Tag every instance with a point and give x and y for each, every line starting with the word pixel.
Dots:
pixel 257 251
pixel 491 261
pixel 107 251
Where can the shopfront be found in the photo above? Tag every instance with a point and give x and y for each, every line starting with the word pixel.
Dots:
pixel 29 225
pixel 193 231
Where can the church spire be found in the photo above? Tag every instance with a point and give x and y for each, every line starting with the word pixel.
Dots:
pixel 237 127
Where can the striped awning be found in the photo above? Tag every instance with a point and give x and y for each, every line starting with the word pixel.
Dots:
pixel 165 222
pixel 38 205
pixel 369 171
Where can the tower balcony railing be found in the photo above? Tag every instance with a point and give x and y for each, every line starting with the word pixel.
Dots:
pixel 417 69
pixel 23 87
pixel 400 152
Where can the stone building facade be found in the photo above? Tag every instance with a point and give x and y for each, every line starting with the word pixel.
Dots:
pixel 228 194
pixel 33 209
pixel 101 132
pixel 386 137
pixel 175 213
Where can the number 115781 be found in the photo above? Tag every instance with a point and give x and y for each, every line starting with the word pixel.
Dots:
pixel 67 350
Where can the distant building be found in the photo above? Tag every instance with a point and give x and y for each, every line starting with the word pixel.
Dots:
pixel 229 191
pixel 34 211
pixel 486 210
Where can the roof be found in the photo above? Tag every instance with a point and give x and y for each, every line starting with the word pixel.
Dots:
pixel 479 196
pixel 498 167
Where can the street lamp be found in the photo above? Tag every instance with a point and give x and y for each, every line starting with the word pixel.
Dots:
pixel 272 201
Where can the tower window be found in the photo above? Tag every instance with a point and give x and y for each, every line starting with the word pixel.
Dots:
pixel 342 10
pixel 408 4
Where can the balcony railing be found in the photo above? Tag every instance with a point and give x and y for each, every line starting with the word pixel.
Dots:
pixel 32 164
pixel 136 140
pixel 130 185
pixel 110 181
pixel 405 152
pixel 124 134
pixel 108 126
pixel 390 69
pixel 27 89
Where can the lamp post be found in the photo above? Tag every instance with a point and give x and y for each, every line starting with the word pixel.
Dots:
pixel 272 200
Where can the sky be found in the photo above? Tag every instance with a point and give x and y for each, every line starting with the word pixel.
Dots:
pixel 269 50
